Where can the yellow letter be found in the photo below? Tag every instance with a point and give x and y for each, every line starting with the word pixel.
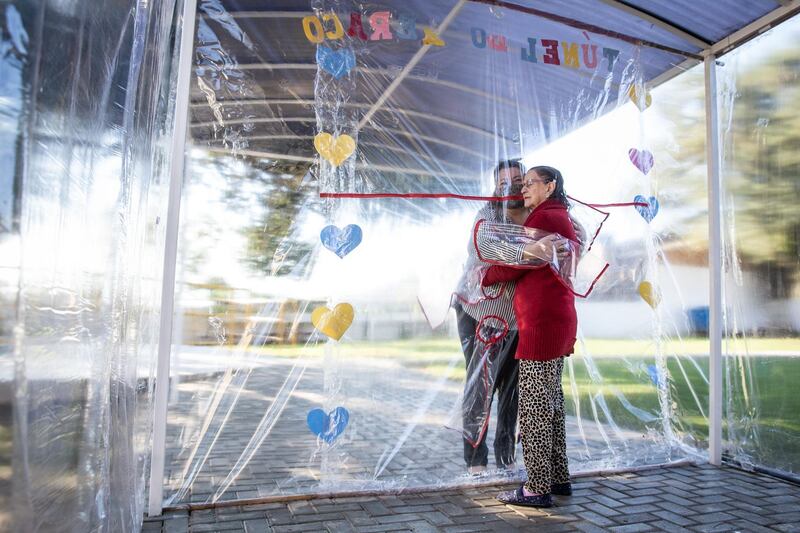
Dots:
pixel 338 30
pixel 313 29
pixel 431 38
pixel 570 54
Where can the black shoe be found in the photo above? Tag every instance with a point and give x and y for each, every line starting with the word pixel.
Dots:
pixel 561 489
pixel 517 497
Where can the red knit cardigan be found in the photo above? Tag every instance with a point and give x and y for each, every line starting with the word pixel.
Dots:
pixel 544 306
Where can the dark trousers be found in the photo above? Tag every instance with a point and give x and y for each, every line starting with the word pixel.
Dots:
pixel 504 370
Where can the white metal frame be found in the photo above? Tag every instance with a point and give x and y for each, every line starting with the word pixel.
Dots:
pixel 788 9
pixel 713 161
pixel 156 496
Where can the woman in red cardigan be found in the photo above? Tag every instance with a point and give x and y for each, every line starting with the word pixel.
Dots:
pixel 545 310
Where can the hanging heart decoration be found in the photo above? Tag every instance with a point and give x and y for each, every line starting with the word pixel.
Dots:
pixel 328 426
pixel 641 159
pixel 642 101
pixel 334 149
pixel 333 323
pixel 647 208
pixel 649 294
pixel 337 63
pixel 341 241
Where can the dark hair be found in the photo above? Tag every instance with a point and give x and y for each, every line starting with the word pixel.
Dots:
pixel 551 174
pixel 509 163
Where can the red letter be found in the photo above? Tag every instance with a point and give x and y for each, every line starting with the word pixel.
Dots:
pixel 550 52
pixel 497 42
pixel 380 26
pixel 586 62
pixel 356 29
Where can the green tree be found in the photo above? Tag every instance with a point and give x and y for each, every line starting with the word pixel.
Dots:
pixel 760 129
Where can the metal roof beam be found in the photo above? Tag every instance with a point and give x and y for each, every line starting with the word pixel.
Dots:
pixel 415 136
pixel 407 112
pixel 305 159
pixel 755 28
pixel 425 79
pixel 662 23
pixel 382 146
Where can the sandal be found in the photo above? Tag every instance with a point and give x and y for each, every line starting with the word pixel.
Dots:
pixel 517 497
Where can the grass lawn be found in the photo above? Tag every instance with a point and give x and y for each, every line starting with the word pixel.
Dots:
pixel 621 378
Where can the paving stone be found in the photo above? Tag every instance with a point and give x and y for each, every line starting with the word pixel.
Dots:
pixel 256 526
pixel 634 518
pixel 613 503
pixel 383 527
pixel 749 527
pixel 436 518
pixel 467 528
pixel 788 528
pixel 339 526
pixel 608 502
pixel 242 515
pixel 601 509
pixel 588 527
pixel 675 518
pixel 663 525
pixel 217 526
pixel 423 527
pixel 176 525
pixel 449 509
pixel 631 528
pixel 376 508
pixel 337 507
pixel 781 518
pixel 595 518
pixel 514 520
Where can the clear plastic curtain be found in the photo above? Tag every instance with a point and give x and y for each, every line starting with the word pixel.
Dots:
pixel 340 157
pixel 84 103
pixel 758 91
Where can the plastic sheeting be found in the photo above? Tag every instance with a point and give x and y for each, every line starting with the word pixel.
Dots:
pixel 334 180
pixel 84 102
pixel 760 89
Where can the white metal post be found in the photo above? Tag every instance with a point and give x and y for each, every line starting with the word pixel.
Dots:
pixel 714 264
pixel 187 21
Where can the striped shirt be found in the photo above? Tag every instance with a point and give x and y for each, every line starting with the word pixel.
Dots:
pixel 498 299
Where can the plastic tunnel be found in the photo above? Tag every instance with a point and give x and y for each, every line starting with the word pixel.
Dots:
pixel 326 219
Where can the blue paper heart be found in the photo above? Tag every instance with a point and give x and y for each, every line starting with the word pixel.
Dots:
pixel 328 426
pixel 337 63
pixel 341 241
pixel 648 211
pixel 652 371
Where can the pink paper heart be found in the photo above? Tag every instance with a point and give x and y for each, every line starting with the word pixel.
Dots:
pixel 641 159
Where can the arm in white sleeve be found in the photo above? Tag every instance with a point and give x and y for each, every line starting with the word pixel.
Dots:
pixel 490 248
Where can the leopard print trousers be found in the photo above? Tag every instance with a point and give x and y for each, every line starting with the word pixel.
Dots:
pixel 541 416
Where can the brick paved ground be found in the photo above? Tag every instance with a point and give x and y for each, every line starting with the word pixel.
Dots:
pixel 396 436
pixel 691 498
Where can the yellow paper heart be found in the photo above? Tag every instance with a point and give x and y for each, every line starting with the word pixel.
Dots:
pixel 333 323
pixel 641 103
pixel 649 294
pixel 334 149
